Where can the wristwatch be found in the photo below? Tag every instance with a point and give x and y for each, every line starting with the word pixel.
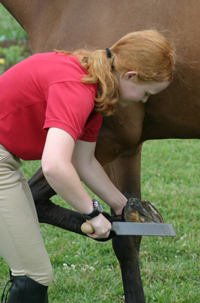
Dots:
pixel 96 211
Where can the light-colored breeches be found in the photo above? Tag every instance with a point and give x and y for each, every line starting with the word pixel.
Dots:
pixel 21 242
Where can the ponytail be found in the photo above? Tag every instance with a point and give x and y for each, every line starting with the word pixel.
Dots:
pixel 146 52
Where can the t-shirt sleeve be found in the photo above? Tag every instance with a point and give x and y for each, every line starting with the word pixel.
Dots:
pixel 69 105
pixel 92 127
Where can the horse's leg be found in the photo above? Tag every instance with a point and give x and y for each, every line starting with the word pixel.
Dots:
pixel 50 213
pixel 40 188
pixel 125 173
pixel 127 251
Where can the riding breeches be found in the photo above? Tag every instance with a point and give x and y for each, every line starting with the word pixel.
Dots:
pixel 21 242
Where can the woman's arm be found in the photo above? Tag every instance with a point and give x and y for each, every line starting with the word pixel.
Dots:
pixel 93 175
pixel 62 176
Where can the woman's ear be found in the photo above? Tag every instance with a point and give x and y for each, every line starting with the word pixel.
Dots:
pixel 132 75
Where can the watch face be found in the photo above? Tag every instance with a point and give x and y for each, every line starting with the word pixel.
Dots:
pixel 97 205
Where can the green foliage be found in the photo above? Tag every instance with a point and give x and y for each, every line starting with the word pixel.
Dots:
pixel 9 28
pixel 12 56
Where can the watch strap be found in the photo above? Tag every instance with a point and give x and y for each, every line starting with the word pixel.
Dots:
pixel 96 211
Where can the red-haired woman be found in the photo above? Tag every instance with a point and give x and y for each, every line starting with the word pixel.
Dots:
pixel 52 106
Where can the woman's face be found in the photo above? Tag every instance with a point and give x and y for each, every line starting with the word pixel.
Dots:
pixel 134 90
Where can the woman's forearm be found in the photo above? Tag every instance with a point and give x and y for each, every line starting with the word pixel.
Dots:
pixel 97 180
pixel 65 181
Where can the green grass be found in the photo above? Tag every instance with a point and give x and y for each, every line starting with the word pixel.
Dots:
pixel 87 271
pixel 170 180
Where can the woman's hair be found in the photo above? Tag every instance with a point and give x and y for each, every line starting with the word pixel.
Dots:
pixel 146 52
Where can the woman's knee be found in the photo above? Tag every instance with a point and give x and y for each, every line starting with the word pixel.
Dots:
pixel 43 277
pixel 48 277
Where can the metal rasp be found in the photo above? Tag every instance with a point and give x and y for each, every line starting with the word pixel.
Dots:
pixel 143 229
pixel 136 229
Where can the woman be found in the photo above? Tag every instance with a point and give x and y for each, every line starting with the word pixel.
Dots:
pixel 52 106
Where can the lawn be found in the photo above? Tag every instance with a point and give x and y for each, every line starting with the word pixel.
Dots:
pixel 87 271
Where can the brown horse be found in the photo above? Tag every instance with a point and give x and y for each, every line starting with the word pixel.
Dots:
pixel 174 113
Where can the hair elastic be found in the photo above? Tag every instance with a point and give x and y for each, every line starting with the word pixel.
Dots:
pixel 109 55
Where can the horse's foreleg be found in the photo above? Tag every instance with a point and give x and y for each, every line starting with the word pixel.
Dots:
pixel 50 213
pixel 127 251
pixel 125 173
pixel 40 188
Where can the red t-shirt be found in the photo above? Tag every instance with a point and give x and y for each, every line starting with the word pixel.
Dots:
pixel 45 91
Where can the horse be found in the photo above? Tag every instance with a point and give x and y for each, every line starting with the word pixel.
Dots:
pixel 174 113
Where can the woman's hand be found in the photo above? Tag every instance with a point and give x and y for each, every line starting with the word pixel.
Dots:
pixel 101 226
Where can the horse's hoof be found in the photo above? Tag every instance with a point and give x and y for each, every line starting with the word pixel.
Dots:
pixel 143 211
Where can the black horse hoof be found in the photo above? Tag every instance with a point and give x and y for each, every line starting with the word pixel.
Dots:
pixel 143 211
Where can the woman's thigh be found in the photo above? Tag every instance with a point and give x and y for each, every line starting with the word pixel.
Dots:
pixel 21 242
